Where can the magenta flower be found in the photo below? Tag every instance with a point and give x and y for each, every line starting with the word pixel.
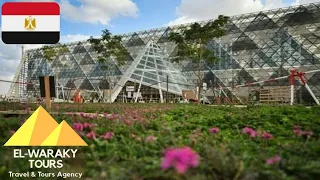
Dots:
pixel 151 138
pixel 78 126
pixel 249 131
pixel 91 135
pixel 181 159
pixel 108 135
pixel 214 130
pixel 266 135
pixel 273 160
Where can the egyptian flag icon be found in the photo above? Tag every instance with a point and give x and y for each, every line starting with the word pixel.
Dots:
pixel 30 23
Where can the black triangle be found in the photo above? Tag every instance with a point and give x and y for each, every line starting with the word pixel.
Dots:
pixel 165 36
pixel 77 72
pixel 79 49
pixel 244 43
pixel 86 85
pixel 135 40
pixel 246 77
pixel 315 79
pixel 266 59
pixel 70 84
pixel 114 70
pixel 278 73
pixel 261 22
pixel 300 16
pixel 56 63
pixel 104 84
pixel 87 60
pixel 96 71
pixel 232 28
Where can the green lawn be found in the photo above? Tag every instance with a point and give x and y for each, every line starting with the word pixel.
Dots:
pixel 130 142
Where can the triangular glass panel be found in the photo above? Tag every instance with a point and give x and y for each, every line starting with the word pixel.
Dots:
pixel 87 60
pixel 135 41
pixel 70 84
pixel 244 43
pixel 165 36
pixel 104 84
pixel 261 22
pixel 86 85
pixel 79 49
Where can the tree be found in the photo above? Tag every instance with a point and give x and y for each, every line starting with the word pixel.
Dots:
pixel 50 52
pixel 192 44
pixel 109 47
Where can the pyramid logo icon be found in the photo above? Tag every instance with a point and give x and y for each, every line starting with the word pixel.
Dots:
pixel 42 130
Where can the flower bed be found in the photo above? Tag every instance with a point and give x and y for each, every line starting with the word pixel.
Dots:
pixel 154 141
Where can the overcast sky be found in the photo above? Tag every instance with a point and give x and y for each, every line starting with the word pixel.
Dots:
pixel 82 18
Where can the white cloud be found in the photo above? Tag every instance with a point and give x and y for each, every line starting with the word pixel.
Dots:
pixel 88 11
pixel 198 10
pixel 73 38
pixel 95 11
pixel 10 56
pixel 98 11
pixel 298 2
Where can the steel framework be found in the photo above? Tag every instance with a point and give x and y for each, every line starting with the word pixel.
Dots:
pixel 258 47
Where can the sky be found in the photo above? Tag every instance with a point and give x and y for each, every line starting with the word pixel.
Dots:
pixel 81 19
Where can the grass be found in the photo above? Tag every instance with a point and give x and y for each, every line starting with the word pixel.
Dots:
pixel 227 154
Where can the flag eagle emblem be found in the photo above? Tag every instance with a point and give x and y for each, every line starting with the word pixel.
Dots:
pixel 30 23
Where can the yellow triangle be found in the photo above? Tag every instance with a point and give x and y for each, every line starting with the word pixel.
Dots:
pixel 23 135
pixel 68 137
pixel 53 138
pixel 43 127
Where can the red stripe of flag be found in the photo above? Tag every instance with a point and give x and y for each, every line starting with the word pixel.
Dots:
pixel 30 8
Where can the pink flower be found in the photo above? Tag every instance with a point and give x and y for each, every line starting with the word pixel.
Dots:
pixel 273 160
pixel 297 132
pixel 214 130
pixel 246 130
pixel 12 132
pixel 78 126
pixel 181 159
pixel 108 135
pixel 151 138
pixel 266 135
pixel 86 125
pixel 307 133
pixel 249 131
pixel 91 135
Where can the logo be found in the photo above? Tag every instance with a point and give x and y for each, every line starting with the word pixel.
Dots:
pixel 41 129
pixel 30 23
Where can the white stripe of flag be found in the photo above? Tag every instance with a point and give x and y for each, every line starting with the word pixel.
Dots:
pixel 43 23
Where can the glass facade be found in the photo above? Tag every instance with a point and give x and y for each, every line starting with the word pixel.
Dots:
pixel 258 47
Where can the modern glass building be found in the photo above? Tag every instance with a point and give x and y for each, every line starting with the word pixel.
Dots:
pixel 258 47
